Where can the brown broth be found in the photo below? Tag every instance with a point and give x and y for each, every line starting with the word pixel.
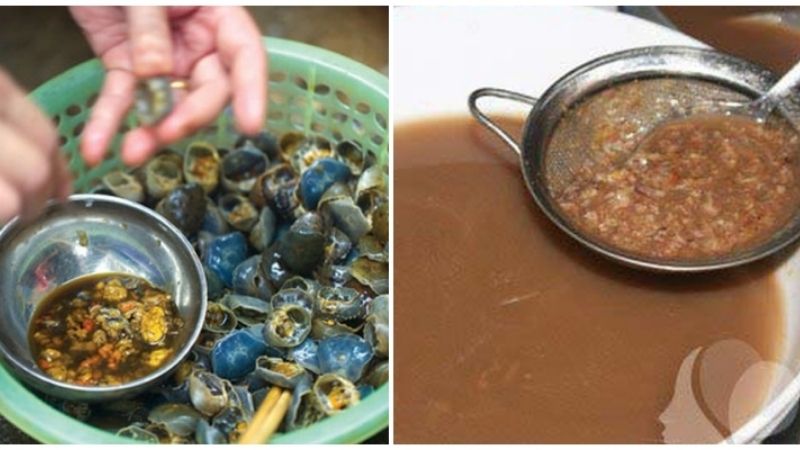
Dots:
pixel 104 329
pixel 772 44
pixel 507 331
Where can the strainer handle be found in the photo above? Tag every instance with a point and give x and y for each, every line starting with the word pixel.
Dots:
pixel 487 122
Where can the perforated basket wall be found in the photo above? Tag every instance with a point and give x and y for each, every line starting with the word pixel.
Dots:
pixel 311 90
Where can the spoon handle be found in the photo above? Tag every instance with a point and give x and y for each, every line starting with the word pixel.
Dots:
pixel 778 92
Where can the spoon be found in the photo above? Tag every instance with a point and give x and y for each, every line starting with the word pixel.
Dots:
pixel 761 108
pixel 758 110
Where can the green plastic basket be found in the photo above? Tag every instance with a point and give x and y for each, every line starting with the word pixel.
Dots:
pixel 310 89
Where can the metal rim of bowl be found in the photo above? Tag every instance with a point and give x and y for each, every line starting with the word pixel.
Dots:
pixel 582 82
pixel 154 377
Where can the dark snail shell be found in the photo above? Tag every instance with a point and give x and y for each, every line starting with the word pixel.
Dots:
pixel 185 207
pixel 238 211
pixel 303 246
pixel 241 168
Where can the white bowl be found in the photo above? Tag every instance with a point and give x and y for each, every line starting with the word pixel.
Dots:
pixel 442 54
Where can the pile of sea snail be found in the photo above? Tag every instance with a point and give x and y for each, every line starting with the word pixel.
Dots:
pixel 293 237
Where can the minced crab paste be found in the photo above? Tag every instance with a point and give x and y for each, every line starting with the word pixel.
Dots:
pixel 655 170
pixel 103 330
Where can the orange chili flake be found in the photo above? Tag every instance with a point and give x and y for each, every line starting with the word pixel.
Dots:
pixel 113 360
pixel 105 350
pixel 127 306
pixel 88 324
pixel 90 361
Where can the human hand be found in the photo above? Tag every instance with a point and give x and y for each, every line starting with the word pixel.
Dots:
pixel 218 49
pixel 32 169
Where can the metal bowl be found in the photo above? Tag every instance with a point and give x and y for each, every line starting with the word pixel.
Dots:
pixel 85 235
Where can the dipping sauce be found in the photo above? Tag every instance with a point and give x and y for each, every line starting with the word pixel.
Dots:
pixel 689 188
pixel 104 330
pixel 508 331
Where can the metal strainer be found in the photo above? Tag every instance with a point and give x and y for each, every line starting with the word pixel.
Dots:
pixel 542 167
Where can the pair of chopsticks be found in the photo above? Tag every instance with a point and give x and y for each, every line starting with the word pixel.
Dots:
pixel 268 417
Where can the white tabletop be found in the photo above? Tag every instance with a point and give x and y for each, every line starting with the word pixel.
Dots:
pixel 441 54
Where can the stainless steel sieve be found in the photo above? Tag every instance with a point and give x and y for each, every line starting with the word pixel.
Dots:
pixel 90 234
pixel 539 165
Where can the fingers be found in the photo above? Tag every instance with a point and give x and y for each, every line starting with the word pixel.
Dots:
pixel 26 168
pixel 103 26
pixel 62 186
pixel 150 38
pixel 248 77
pixel 24 116
pixel 138 145
pixel 31 165
pixel 150 41
pixel 108 112
pixel 239 45
pixel 10 201
pixel 210 91
pixel 209 94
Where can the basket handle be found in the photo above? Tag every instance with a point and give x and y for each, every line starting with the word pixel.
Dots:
pixel 487 122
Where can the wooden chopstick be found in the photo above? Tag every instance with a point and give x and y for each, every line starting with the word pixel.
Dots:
pixel 268 417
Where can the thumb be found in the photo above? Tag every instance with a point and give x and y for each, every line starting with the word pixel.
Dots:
pixel 151 41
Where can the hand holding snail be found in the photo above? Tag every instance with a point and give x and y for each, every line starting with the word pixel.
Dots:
pixel 217 50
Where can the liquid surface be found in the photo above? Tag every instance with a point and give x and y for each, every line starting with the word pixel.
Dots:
pixel 659 174
pixel 751 32
pixel 104 329
pixel 507 331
